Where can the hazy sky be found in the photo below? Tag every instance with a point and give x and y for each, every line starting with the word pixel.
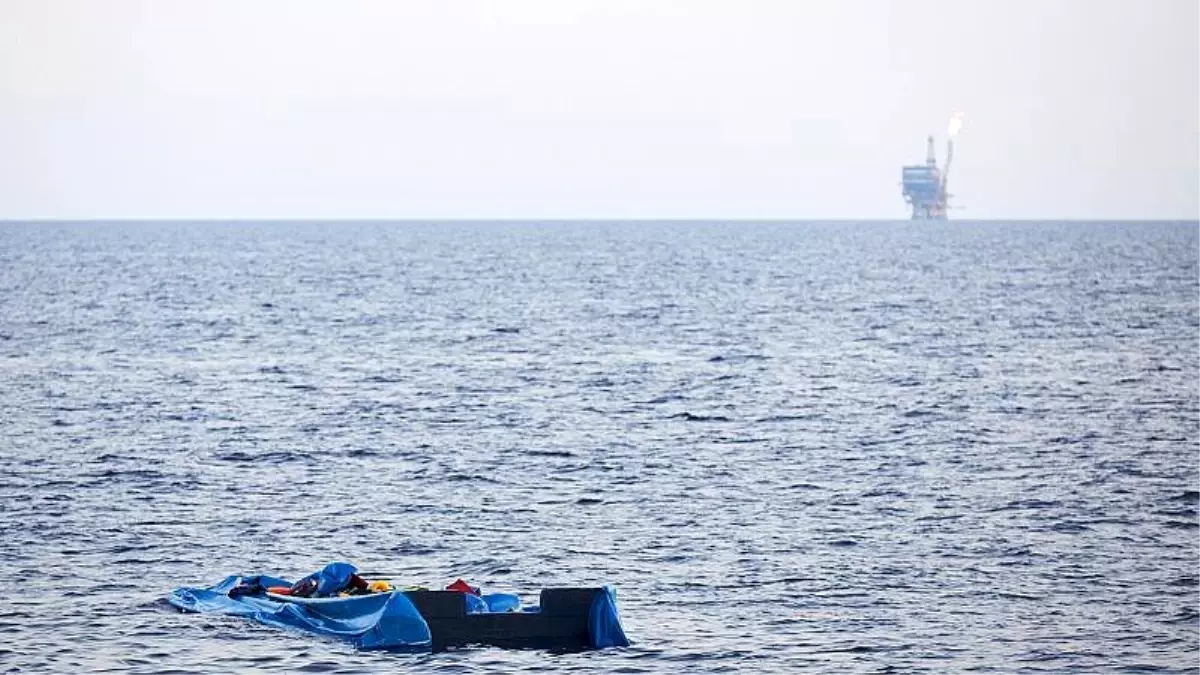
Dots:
pixel 605 109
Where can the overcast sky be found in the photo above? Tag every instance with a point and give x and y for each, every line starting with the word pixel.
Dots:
pixel 604 109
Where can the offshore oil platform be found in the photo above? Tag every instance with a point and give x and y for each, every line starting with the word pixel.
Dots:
pixel 925 184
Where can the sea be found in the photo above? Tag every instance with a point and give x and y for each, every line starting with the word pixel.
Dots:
pixel 811 447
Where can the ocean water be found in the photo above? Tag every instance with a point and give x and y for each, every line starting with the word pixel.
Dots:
pixel 791 447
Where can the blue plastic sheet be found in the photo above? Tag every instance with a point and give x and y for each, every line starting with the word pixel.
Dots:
pixel 604 625
pixel 332 578
pixel 378 621
pixel 475 604
pixel 502 602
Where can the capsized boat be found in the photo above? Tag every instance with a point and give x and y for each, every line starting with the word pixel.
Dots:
pixel 414 619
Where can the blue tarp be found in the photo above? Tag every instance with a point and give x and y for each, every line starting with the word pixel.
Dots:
pixel 377 621
pixel 604 625
pixel 332 578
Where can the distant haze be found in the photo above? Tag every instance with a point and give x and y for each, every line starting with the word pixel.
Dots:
pixel 605 109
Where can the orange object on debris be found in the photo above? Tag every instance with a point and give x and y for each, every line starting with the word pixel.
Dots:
pixel 280 590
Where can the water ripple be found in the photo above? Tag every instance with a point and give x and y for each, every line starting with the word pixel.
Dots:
pixel 792 448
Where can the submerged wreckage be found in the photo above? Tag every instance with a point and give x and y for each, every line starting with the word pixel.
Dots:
pixel 373 615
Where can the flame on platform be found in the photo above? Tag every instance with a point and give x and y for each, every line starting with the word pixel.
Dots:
pixel 956 122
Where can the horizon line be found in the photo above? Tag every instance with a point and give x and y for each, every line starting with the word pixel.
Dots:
pixel 576 219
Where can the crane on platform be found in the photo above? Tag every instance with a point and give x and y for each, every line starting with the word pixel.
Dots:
pixel 943 194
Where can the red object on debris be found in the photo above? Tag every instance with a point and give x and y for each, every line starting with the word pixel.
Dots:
pixel 460 585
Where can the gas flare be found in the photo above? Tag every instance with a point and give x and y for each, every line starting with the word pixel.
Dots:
pixel 956 122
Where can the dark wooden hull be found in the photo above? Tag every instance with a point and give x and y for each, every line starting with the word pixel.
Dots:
pixel 561 622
